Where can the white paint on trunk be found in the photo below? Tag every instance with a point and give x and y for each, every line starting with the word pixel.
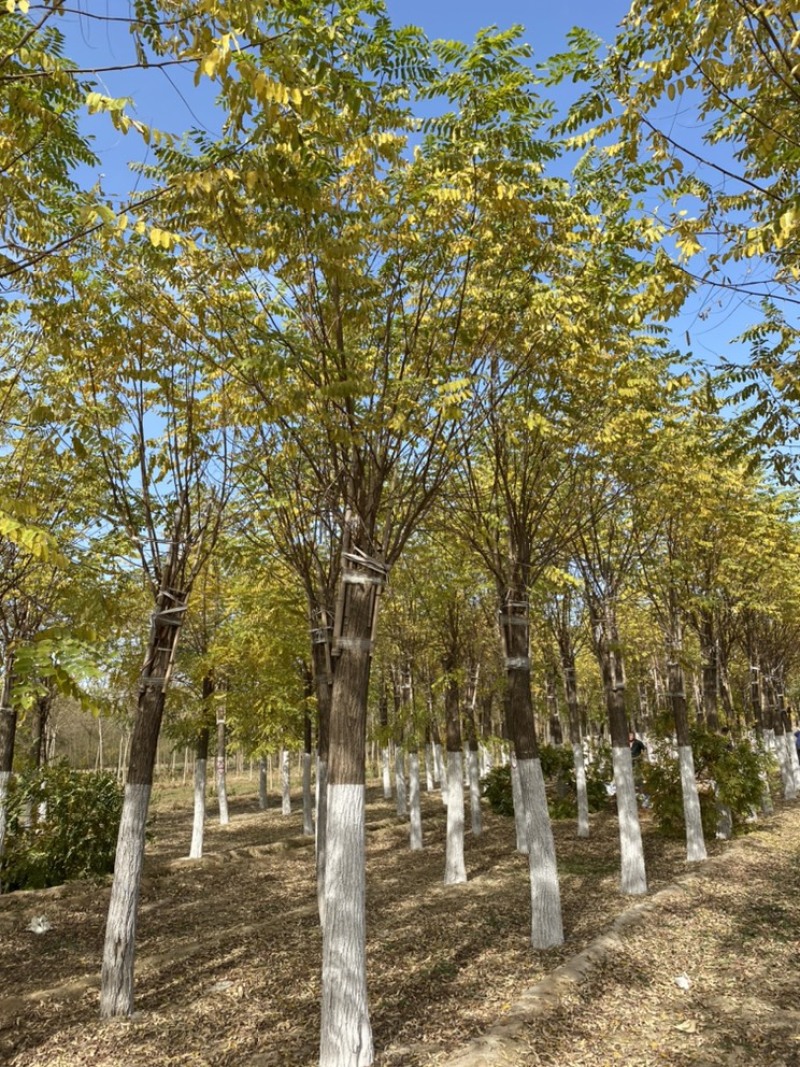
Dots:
pixel 475 795
pixel 308 821
pixel 346 1035
pixel 695 844
pixel 767 807
pixel 633 878
pixel 580 786
pixel 286 795
pixel 429 769
pixel 5 779
pixel 321 829
pixel 222 792
pixel 400 783
pixel 262 783
pixel 116 982
pixel 486 760
pixel 787 777
pixel 438 770
pixel 454 869
pixel 546 926
pixel 199 822
pixel 414 803
pixel 519 808
pixel 387 775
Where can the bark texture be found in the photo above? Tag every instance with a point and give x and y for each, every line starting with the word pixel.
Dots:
pixel 116 992
pixel 633 879
pixel 455 870
pixel 546 925
pixel 414 803
pixel 346 1035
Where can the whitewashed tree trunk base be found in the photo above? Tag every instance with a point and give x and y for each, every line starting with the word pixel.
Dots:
pixel 222 792
pixel 346 1034
pixel 387 775
pixel 286 792
pixel 695 843
pixel 414 803
pixel 455 870
pixel 429 785
pixel 308 821
pixel 116 982
pixel 475 795
pixel 633 879
pixel 580 786
pixel 519 809
pixel 400 783
pixel 321 829
pixel 438 769
pixel 546 924
pixel 199 822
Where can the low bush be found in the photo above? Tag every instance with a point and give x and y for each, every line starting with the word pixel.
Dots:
pixel 728 773
pixel 558 770
pixel 62 824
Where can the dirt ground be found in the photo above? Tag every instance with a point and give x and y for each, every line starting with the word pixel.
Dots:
pixel 229 951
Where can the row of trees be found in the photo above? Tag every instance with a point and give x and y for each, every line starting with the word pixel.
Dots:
pixel 340 343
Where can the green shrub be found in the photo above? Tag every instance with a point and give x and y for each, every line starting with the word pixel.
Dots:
pixel 496 787
pixel 73 831
pixel 558 768
pixel 727 773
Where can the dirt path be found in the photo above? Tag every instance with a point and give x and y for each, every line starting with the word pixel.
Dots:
pixel 229 949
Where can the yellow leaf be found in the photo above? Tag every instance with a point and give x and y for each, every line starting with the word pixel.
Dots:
pixel 155 237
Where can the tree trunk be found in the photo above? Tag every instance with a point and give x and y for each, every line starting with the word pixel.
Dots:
pixel 8 730
pixel 546 924
pixel 346 1034
pixel 400 781
pixel 633 875
pixel 414 801
pixel 473 772
pixel 286 793
pixel 573 712
pixel 429 782
pixel 519 807
pixel 323 681
pixel 454 870
pixel 708 650
pixel 695 843
pixel 262 783
pixel 200 765
pixel 116 983
pixel 387 774
pixel 222 766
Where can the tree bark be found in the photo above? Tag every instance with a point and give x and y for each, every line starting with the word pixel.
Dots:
pixel 455 870
pixel 546 923
pixel 346 1034
pixel 633 876
pixel 8 730
pixel 695 843
pixel 222 765
pixel 200 766
pixel 578 760
pixel 262 783
pixel 116 982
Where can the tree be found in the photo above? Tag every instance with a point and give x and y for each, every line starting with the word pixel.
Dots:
pixel 732 65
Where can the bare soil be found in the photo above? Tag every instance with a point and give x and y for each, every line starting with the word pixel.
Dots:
pixel 228 963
